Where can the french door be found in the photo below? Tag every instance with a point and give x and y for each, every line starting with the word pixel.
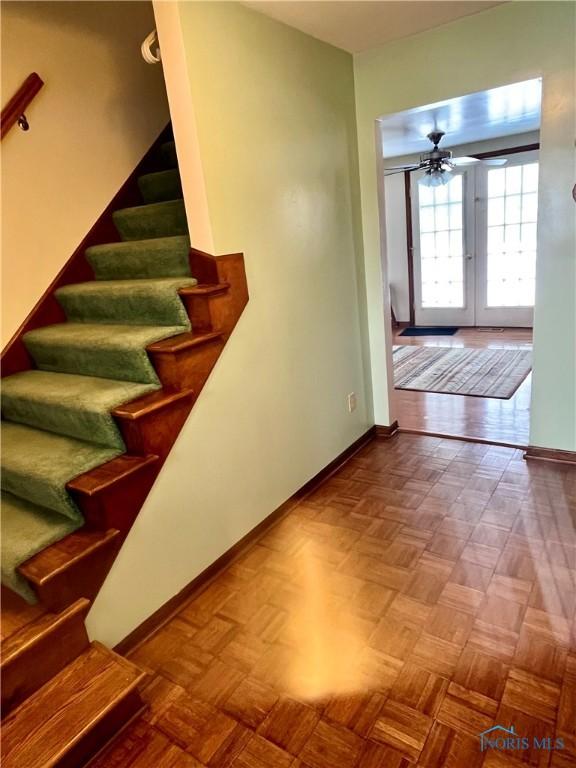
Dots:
pixel 507 208
pixel 474 246
pixel 443 234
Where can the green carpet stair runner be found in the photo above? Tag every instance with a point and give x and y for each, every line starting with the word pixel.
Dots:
pixel 96 349
pixel 158 187
pixel 36 465
pixel 154 220
pixel 56 419
pixel 76 406
pixel 150 301
pixel 139 259
pixel 26 529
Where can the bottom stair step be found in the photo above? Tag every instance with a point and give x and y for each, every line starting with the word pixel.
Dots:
pixel 39 650
pixel 75 714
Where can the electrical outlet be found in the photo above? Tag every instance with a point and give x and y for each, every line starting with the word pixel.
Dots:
pixel 351 402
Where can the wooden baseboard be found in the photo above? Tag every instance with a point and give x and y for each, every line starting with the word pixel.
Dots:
pixel 534 453
pixel 175 604
pixel 383 433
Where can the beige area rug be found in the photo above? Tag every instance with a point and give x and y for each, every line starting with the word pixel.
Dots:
pixel 461 371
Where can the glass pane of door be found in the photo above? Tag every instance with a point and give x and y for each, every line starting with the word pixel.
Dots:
pixel 441 245
pixel 511 238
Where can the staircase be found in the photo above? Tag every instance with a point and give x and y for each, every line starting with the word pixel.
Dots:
pixel 68 697
pixel 96 387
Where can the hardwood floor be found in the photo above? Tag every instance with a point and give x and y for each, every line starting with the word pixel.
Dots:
pixel 423 594
pixel 504 421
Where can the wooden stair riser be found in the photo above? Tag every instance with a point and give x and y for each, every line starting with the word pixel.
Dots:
pixel 187 368
pixel 34 655
pixel 226 307
pixel 114 503
pixel 201 304
pixel 118 507
pixel 153 431
pixel 94 741
pixel 61 578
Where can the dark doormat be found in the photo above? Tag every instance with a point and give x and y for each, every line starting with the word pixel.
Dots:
pixel 433 330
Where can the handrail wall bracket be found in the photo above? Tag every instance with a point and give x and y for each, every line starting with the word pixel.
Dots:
pixel 14 113
pixel 150 56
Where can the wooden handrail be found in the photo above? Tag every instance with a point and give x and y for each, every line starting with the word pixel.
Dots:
pixel 16 107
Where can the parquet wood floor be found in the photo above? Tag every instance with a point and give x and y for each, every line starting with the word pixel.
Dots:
pixel 421 595
pixel 506 421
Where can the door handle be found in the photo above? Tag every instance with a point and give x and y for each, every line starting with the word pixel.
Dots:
pixel 468 256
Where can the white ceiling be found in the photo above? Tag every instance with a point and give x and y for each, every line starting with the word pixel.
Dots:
pixel 358 26
pixel 504 111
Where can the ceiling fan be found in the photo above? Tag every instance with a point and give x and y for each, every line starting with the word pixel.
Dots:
pixel 439 163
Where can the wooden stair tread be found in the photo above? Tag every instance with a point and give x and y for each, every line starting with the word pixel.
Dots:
pixel 183 341
pixel 19 642
pixel 40 650
pixel 204 289
pixel 16 613
pixel 103 476
pixel 45 727
pixel 61 555
pixel 147 404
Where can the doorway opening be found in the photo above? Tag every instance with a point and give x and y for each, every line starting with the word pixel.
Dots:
pixel 460 200
pixel 474 245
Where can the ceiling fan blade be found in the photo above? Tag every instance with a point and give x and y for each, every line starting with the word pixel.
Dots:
pixel 495 161
pixel 464 160
pixel 402 167
pixel 401 170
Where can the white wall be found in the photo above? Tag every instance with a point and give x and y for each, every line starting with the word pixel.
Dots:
pixel 274 111
pixel 184 126
pixel 99 111
pixel 396 248
pixel 509 43
pixel 395 212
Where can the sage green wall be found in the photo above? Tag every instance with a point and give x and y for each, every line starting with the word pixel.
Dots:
pixel 274 112
pixel 513 42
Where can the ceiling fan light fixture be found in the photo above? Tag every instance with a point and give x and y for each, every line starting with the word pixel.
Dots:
pixel 435 178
